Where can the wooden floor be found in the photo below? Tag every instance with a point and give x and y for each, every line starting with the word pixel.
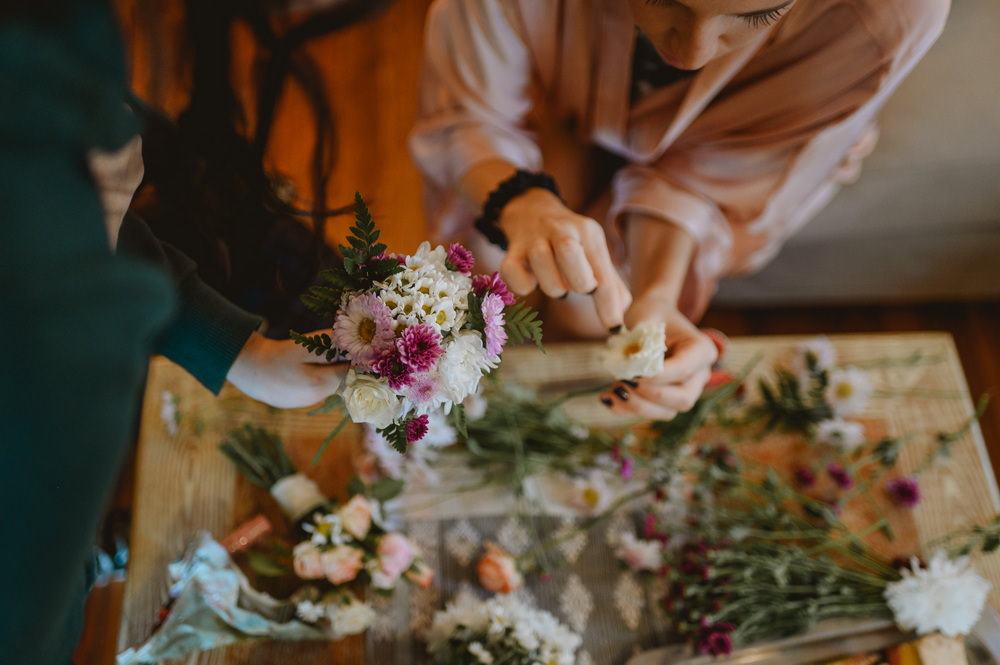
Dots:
pixel 372 70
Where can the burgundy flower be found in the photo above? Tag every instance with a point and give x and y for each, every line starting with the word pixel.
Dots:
pixel 840 476
pixel 483 284
pixel 717 643
pixel 419 347
pixel 390 366
pixel 904 491
pixel 648 525
pixel 660 494
pixel 416 428
pixel 459 259
pixel 805 477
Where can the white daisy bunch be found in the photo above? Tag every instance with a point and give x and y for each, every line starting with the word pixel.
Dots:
pixel 947 596
pixel 419 331
pixel 339 614
pixel 501 629
pixel 638 352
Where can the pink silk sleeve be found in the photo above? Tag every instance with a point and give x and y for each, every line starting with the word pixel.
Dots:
pixel 475 93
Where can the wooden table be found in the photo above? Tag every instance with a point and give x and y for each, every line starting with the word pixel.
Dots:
pixel 183 484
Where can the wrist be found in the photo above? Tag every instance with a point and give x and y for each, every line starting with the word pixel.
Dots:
pixel 505 192
pixel 534 199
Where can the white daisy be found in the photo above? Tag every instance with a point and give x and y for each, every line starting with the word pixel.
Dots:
pixel 848 391
pixel 638 352
pixel 844 434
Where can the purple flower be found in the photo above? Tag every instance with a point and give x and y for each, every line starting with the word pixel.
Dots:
pixel 459 259
pixel 483 284
pixel 626 468
pixel 904 491
pixel 363 329
pixel 840 476
pixel 419 347
pixel 416 428
pixel 400 258
pixel 390 366
pixel 717 643
pixel 805 477
pixel 496 336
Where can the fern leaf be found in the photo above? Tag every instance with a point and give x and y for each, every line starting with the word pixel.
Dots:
pixel 523 325
pixel 318 344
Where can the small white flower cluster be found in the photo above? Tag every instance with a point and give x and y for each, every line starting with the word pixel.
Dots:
pixel 637 352
pixel 847 392
pixel 502 629
pixel 638 553
pixel 343 616
pixel 426 291
pixel 947 596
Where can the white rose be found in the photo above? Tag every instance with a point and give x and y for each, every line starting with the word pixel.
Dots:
pixel 369 399
pixel 637 352
pixel 297 495
pixel 463 364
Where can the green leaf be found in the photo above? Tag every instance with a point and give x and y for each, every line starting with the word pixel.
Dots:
pixel 266 566
pixel 991 542
pixel 318 344
pixel 355 486
pixel 523 325
pixel 328 439
pixel 458 419
pixel 395 434
pixel 387 489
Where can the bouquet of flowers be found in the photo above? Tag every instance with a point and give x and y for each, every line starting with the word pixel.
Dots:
pixel 419 331
pixel 344 546
pixel 499 630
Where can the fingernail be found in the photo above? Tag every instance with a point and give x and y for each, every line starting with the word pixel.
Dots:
pixel 628 382
pixel 622 393
pixel 614 330
pixel 564 296
pixel 606 401
pixel 592 291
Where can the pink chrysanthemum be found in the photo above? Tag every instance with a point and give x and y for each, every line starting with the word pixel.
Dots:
pixel 390 366
pixel 416 428
pixel 424 391
pixel 483 284
pixel 400 258
pixel 363 329
pixel 419 346
pixel 459 259
pixel 496 335
pixel 904 491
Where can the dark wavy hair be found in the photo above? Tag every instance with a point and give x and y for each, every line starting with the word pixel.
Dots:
pixel 206 189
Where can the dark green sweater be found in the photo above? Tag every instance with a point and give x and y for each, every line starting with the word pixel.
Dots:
pixel 77 322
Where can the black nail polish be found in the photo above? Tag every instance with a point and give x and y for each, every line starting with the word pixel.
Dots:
pixel 606 401
pixel 622 393
pixel 592 291
pixel 614 330
pixel 564 296
pixel 628 382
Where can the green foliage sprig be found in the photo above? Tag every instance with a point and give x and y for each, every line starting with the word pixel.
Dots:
pixel 258 454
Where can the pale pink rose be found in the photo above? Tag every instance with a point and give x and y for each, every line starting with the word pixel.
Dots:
pixel 497 571
pixel 307 562
pixel 420 574
pixel 395 554
pixel 356 516
pixel 342 563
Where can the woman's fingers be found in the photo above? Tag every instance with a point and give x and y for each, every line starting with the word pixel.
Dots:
pixel 544 268
pixel 626 400
pixel 573 264
pixel 516 274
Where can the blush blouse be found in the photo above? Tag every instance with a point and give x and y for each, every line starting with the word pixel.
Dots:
pixel 741 154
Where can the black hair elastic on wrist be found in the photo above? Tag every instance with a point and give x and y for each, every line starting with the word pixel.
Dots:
pixel 507 190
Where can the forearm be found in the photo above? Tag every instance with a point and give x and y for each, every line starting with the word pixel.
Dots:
pixel 659 254
pixel 483 178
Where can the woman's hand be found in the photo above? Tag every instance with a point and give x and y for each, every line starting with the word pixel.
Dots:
pixel 552 247
pixel 283 374
pixel 686 369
